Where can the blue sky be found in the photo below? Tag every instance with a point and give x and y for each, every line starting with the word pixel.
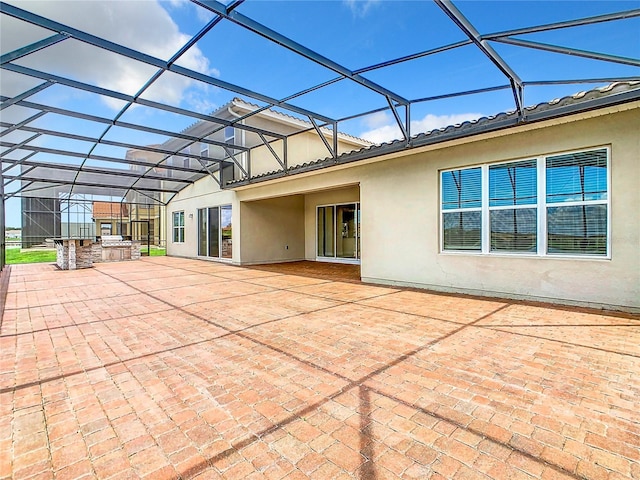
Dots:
pixel 355 34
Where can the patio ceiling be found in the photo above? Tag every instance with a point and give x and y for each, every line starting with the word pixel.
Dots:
pixel 67 131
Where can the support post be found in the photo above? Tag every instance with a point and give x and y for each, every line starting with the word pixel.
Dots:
pixel 72 254
pixel 335 140
pixel 284 155
pixel 396 115
pixel 206 167
pixel 322 137
pixel 273 152
pixel 230 152
pixel 2 226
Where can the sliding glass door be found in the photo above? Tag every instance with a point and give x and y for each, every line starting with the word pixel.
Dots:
pixel 202 232
pixel 325 231
pixel 338 231
pixel 346 238
pixel 225 231
pixel 215 232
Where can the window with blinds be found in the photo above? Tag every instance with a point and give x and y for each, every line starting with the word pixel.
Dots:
pixel 513 208
pixel 577 203
pixel 552 205
pixel 462 209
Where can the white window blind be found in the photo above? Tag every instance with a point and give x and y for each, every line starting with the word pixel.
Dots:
pixel 577 203
pixel 462 209
pixel 513 206
pixel 550 205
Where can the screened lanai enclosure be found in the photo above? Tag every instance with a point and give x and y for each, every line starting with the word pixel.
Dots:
pixel 110 108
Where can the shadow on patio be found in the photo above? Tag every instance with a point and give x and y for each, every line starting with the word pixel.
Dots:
pixel 168 368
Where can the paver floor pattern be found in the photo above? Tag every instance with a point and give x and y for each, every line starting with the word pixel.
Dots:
pixel 177 368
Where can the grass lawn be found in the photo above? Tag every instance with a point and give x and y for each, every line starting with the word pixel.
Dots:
pixel 155 251
pixel 14 255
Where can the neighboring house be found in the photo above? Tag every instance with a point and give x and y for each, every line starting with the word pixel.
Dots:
pixel 111 218
pixel 542 208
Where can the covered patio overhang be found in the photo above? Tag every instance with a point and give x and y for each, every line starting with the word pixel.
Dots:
pixel 293 222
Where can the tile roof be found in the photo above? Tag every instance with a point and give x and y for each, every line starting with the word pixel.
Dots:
pixel 104 210
pixel 609 95
pixel 290 118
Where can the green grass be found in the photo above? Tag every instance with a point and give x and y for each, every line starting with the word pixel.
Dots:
pixel 14 255
pixel 155 251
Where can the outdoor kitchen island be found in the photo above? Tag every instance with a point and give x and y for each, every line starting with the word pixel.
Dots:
pixel 76 253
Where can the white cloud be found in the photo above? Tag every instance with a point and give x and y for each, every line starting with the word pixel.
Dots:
pixel 376 120
pixel 390 131
pixel 431 122
pixel 142 25
pixel 204 15
pixel 360 8
pixel 201 104
pixel 385 133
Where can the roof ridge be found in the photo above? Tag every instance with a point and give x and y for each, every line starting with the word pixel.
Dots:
pixel 286 115
pixel 544 105
pixel 238 101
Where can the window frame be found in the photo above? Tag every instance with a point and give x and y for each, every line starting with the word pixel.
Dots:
pixel 486 232
pixel 463 209
pixel 218 258
pixel 541 206
pixel 185 160
pixel 177 229
pixel 230 134
pixel 231 137
pixel 358 247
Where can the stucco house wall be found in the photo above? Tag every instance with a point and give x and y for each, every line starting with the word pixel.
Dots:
pixel 406 192
pixel 400 201
pixel 202 194
pixel 301 148
pixel 273 230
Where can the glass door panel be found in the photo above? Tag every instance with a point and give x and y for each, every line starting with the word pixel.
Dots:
pixel 325 232
pixel 214 232
pixel 202 231
pixel 357 231
pixel 346 231
pixel 225 219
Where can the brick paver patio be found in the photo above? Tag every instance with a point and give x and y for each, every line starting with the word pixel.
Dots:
pixel 175 368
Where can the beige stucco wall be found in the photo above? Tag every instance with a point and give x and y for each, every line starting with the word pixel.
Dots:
pixel 406 193
pixel 273 230
pixel 400 215
pixel 202 194
pixel 301 148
